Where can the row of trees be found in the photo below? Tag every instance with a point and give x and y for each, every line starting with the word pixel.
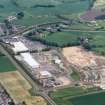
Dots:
pixel 85 44
pixel 91 47
pixel 55 44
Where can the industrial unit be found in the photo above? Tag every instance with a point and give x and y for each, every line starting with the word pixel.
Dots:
pixel 27 57
pixel 18 47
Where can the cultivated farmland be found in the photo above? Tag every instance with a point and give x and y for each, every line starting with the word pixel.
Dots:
pixel 18 88
pixel 97 42
pixel 71 96
pixel 93 99
pixel 6 65
pixel 38 11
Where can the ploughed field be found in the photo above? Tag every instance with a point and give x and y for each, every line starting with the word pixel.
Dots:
pixel 38 11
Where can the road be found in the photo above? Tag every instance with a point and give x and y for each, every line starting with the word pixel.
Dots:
pixel 75 30
pixel 30 28
pixel 43 25
pixel 39 26
pixel 36 89
pixel 46 97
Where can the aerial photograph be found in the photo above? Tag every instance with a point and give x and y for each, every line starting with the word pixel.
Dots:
pixel 52 52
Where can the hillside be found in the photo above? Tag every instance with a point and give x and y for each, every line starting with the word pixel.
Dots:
pixel 41 11
pixel 99 4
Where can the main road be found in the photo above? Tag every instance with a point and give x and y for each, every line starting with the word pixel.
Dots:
pixel 35 87
pixel 28 29
pixel 39 26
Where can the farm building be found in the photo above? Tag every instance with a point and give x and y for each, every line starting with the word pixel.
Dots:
pixel 28 59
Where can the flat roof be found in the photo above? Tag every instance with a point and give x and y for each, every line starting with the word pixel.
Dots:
pixel 27 57
pixel 45 73
pixel 18 47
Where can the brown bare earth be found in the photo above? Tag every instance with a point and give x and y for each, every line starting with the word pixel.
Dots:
pixel 79 57
pixel 18 88
pixel 65 81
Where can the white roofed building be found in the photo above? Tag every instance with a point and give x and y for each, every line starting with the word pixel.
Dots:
pixel 10 18
pixel 18 47
pixel 45 74
pixel 28 59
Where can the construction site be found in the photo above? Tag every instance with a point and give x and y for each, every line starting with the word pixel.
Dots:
pixel 45 66
pixel 88 64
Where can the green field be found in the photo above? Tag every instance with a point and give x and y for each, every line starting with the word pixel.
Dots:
pixel 62 37
pixel 88 26
pixel 93 99
pixel 38 11
pixel 72 91
pixel 97 41
pixel 58 95
pixel 68 96
pixel 6 65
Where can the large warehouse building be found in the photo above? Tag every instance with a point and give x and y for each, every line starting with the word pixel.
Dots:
pixel 18 47
pixel 28 59
pixel 25 56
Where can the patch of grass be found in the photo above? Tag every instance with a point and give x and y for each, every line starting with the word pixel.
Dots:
pixel 75 75
pixel 6 65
